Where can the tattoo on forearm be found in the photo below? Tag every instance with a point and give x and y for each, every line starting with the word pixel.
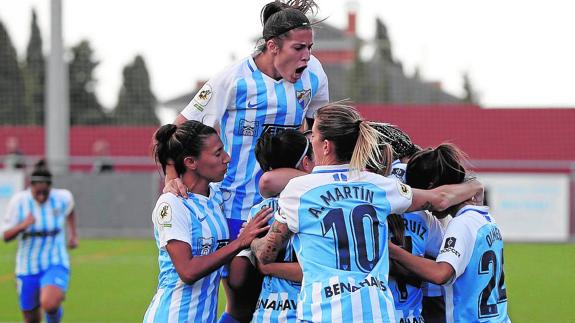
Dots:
pixel 267 249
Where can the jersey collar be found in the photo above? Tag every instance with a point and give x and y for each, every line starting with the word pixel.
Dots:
pixel 483 210
pixel 330 169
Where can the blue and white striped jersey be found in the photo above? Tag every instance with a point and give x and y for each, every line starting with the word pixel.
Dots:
pixel 198 221
pixel 43 244
pixel 473 246
pixel 341 240
pixel 423 236
pixel 278 299
pixel 244 102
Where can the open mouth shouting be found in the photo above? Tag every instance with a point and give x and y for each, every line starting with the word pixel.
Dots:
pixel 299 71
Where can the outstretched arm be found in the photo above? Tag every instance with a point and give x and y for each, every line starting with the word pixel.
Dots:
pixel 274 181
pixel 267 248
pixel 442 197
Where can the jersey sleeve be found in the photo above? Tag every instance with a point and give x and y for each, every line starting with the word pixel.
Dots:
pixel 434 235
pixel 211 101
pixel 321 97
pixel 10 218
pixel 287 212
pixel 69 201
pixel 456 247
pixel 399 195
pixel 172 220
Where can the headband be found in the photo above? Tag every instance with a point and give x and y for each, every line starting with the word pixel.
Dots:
pixel 304 153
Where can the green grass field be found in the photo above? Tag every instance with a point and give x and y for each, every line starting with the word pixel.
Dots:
pixel 114 281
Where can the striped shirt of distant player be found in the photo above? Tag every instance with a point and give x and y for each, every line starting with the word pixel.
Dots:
pixel 244 102
pixel 345 265
pixel 423 236
pixel 43 244
pixel 198 221
pixel 473 246
pixel 278 299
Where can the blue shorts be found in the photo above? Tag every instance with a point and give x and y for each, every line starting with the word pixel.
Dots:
pixel 234 226
pixel 29 286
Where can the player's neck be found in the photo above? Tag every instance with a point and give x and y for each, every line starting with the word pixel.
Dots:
pixel 265 63
pixel 196 184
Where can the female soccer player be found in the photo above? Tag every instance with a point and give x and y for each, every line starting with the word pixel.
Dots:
pixel 470 263
pixel 338 215
pixel 191 233
pixel 37 218
pixel 278 86
pixel 281 285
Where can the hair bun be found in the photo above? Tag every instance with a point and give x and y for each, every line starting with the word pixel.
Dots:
pixel 165 132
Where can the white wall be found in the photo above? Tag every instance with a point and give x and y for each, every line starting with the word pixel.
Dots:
pixel 529 206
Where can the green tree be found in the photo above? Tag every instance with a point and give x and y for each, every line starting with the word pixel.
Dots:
pixel 84 105
pixel 34 72
pixel 12 110
pixel 136 102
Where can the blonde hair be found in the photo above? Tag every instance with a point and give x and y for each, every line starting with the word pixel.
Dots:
pixel 355 140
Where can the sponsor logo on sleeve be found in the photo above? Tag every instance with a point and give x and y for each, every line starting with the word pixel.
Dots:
pixel 404 190
pixel 203 97
pixel 449 246
pixel 398 172
pixel 450 242
pixel 164 215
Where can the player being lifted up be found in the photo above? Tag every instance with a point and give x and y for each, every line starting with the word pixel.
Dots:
pixel 470 263
pixel 337 217
pixel 278 86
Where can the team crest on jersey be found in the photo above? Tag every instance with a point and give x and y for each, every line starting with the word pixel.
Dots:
pixel 404 190
pixel 203 97
pixel 248 128
pixel 303 97
pixel 205 245
pixel 164 215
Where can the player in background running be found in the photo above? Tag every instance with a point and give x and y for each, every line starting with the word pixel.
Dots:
pixel 38 218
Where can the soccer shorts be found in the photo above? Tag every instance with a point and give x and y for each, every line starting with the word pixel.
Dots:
pixel 29 286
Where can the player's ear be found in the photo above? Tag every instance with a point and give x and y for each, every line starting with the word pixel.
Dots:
pixel 190 163
pixel 272 46
pixel 327 147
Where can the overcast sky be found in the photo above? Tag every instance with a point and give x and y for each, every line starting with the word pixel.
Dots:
pixel 518 53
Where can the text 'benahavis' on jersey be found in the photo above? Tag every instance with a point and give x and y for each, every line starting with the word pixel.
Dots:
pixel 278 299
pixel 341 235
pixel 473 246
pixel 199 222
pixel 244 102
pixel 42 244
pixel 423 237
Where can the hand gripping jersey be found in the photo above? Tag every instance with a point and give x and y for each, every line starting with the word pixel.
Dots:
pixel 199 222
pixel 278 299
pixel 423 236
pixel 473 246
pixel 341 235
pixel 43 244
pixel 244 102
